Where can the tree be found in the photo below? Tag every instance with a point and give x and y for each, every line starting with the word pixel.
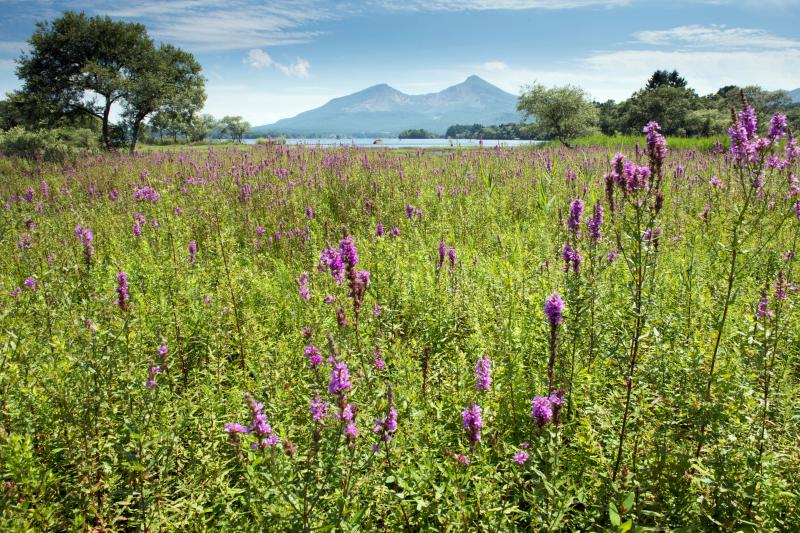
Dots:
pixel 200 127
pixel 563 112
pixel 669 106
pixel 235 126
pixel 79 64
pixel 663 78
pixel 170 82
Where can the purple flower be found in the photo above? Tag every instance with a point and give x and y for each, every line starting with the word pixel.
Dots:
pixel 319 408
pixel 351 431
pixel 554 309
pixel 386 427
pixel 483 374
pixel 716 183
pixel 122 290
pixel 309 212
pixel 260 427
pixel 314 356
pixel 233 427
pixel 541 411
pixel 394 232
pixel 349 252
pixel 777 125
pixel 379 230
pixel 463 459
pixel 656 143
pixel 780 287
pixel 347 413
pixel 192 251
pixel 330 259
pixel 339 378
pixel 30 282
pixel 575 216
pixel 24 242
pixel 521 457
pixel 473 421
pixel 763 310
pixel 86 238
pixel 451 256
pixel 595 223
pixel 162 350
pixel 302 286
pixel 571 257
pixel 146 194
pixel 652 235
pixel 151 377
pixel 442 252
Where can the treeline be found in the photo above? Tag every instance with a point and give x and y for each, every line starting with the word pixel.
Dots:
pixel 503 132
pixel 667 99
pixel 94 82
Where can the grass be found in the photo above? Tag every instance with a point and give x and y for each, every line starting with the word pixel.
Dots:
pixel 651 435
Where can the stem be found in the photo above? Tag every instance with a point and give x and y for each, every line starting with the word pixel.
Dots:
pixel 233 294
pixel 726 306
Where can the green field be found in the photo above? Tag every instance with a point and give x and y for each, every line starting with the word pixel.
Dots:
pixel 667 398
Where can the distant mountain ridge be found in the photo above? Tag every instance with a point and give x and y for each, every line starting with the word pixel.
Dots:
pixel 382 110
pixel 795 95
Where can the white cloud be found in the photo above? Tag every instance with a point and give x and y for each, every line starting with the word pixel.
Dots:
pixel 259 59
pixel 615 75
pixel 485 5
pixel 494 66
pixel 208 25
pixel 715 36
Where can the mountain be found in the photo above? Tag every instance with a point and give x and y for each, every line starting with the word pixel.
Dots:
pixel 381 110
pixel 795 95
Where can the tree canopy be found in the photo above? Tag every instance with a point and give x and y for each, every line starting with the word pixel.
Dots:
pixel 563 112
pixel 81 65
pixel 235 126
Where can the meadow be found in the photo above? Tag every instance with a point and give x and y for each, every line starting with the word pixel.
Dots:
pixel 290 338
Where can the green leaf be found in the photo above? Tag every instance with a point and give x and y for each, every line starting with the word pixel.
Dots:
pixel 627 505
pixel 613 515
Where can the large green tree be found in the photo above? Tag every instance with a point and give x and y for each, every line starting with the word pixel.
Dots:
pixel 562 112
pixel 235 126
pixel 81 64
pixel 169 81
pixel 667 105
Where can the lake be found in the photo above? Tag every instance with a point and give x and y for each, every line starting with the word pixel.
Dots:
pixel 405 143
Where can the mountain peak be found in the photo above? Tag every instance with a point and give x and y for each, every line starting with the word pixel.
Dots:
pixel 474 78
pixel 385 110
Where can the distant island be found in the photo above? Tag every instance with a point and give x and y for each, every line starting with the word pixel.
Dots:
pixel 503 132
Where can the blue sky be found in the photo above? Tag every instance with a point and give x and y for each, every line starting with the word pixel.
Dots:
pixel 274 59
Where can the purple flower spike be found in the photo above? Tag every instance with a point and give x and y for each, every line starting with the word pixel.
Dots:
pixel 483 374
pixel 554 309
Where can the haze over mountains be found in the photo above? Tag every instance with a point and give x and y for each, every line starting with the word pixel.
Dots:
pixel 382 110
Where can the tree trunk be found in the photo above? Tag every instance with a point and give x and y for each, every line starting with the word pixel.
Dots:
pixel 135 133
pixel 106 113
